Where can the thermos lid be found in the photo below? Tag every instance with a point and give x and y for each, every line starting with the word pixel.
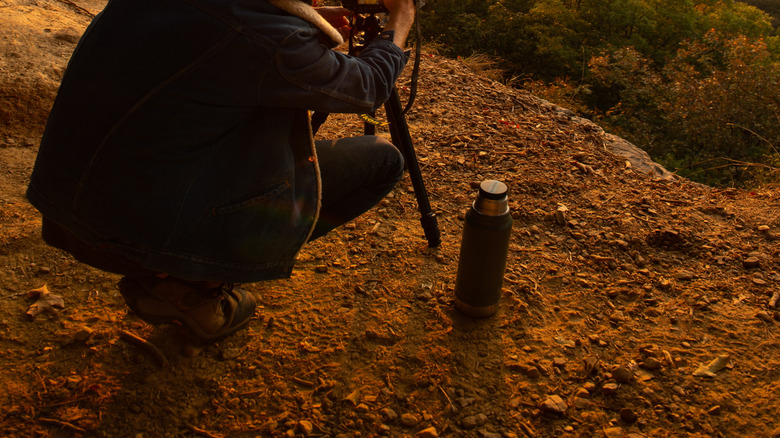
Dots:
pixel 492 189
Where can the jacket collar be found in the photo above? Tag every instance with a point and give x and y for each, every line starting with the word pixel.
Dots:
pixel 306 12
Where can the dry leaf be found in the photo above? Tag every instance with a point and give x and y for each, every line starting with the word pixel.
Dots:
pixel 47 302
pixel 712 368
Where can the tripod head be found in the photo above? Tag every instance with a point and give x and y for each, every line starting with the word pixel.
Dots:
pixel 364 6
pixel 366 22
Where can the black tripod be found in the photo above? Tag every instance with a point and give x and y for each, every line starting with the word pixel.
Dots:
pixel 399 132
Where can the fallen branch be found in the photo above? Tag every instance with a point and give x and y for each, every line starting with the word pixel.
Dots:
pixel 63 424
pixel 146 345
pixel 202 432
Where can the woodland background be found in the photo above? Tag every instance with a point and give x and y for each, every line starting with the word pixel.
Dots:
pixel 695 83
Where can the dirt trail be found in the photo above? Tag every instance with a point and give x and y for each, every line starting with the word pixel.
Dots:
pixel 632 306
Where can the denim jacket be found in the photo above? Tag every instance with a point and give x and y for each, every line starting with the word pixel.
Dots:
pixel 180 136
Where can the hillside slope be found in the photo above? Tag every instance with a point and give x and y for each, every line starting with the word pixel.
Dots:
pixel 633 305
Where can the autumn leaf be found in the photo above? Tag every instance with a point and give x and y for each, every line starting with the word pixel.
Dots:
pixel 46 302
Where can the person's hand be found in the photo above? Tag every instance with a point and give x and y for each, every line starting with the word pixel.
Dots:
pixel 337 17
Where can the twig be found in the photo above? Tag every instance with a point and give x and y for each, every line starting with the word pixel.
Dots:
pixel 78 8
pixel 63 424
pixel 13 295
pixel 202 432
pixel 674 201
pixel 448 398
pixel 146 345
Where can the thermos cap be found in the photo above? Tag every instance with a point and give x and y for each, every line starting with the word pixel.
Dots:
pixel 492 189
pixel 492 200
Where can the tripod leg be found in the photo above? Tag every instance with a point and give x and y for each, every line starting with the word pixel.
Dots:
pixel 399 132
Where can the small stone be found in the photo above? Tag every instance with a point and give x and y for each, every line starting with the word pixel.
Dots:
pixel 764 316
pixel 623 375
pixel 715 410
pixel 473 421
pixel 321 269
pixel 409 420
pixel 617 317
pixel 582 393
pixel 230 353
pixel 751 262
pixel 581 403
pixel 82 334
pixel 427 433
pixel 554 404
pixel 613 432
pixel 389 414
pixel 190 350
pixel 305 427
pixel 685 276
pixel 628 415
pixel 651 364
pixel 609 388
pixel 533 373
pixel 424 296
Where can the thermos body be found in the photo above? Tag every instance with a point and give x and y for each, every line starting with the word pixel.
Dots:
pixel 483 252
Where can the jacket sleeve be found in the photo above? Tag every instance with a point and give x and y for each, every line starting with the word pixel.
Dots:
pixel 306 74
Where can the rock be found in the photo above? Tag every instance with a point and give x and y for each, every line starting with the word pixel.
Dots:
pixel 230 353
pixel 751 262
pixel 651 363
pixel 581 403
pixel 685 276
pixel 410 420
pixel 427 433
pixel 389 414
pixel 613 432
pixel 473 421
pixel 764 316
pixel 82 334
pixel 639 159
pixel 617 317
pixel 305 427
pixel 554 404
pixel 321 269
pixel 628 415
pixel 190 350
pixel 609 388
pixel 623 375
pixel 560 214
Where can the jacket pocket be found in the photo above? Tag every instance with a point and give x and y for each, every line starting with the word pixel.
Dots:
pixel 250 199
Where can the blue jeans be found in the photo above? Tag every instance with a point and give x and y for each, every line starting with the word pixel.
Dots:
pixel 356 174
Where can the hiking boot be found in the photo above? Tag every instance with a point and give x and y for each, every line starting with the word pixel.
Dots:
pixel 209 309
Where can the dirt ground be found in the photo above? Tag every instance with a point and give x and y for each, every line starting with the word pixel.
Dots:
pixel 632 306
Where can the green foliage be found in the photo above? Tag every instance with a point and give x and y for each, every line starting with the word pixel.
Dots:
pixel 712 112
pixel 694 82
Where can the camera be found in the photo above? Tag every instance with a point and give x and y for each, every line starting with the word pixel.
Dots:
pixel 365 6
